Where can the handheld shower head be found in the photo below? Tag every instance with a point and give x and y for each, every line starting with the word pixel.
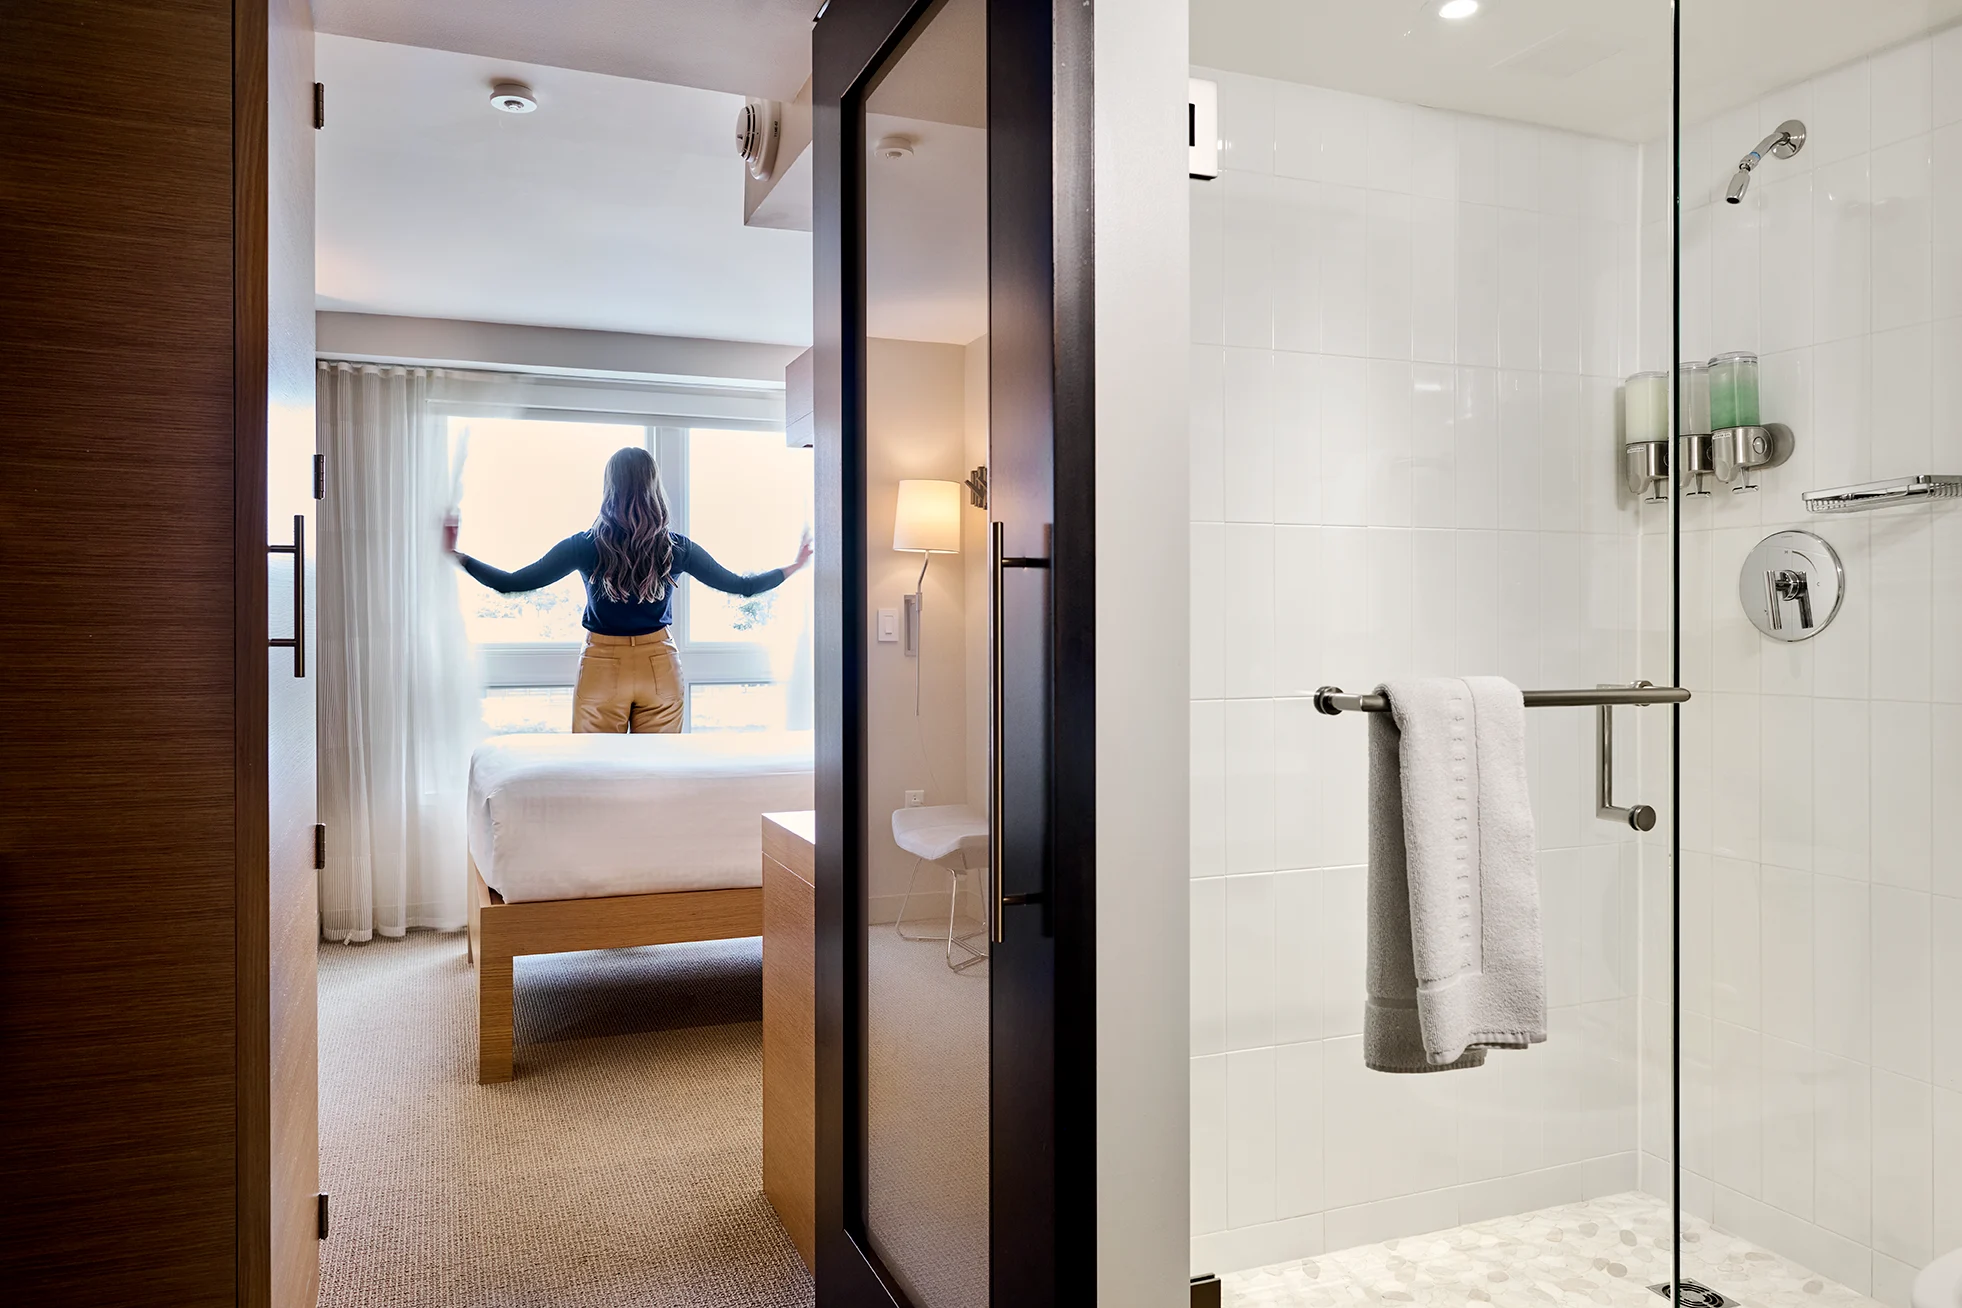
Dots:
pixel 1786 141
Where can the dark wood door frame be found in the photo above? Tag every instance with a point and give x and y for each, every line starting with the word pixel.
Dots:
pixel 1042 1151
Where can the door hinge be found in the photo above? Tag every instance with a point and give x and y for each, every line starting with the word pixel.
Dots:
pixel 319 105
pixel 320 476
pixel 320 844
pixel 323 1216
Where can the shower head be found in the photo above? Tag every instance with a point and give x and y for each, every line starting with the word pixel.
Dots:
pixel 1786 141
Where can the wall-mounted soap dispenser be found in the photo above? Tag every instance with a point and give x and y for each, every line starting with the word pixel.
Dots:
pixel 1721 431
pixel 1693 418
pixel 1740 441
pixel 1645 434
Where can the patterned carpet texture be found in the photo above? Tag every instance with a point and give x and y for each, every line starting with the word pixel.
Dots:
pixel 621 1168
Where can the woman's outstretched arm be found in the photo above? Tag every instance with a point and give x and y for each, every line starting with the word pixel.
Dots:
pixel 561 559
pixel 701 565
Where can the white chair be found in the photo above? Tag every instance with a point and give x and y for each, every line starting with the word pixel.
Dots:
pixel 953 837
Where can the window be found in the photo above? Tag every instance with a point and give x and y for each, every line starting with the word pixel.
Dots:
pixel 527 483
pixel 748 500
pixel 736 706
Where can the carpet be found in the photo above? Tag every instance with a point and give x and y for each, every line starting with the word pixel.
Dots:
pixel 622 1168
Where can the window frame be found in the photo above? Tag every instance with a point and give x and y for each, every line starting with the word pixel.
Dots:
pixel 547 665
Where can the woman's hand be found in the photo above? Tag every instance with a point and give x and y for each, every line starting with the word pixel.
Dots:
pixel 803 556
pixel 450 525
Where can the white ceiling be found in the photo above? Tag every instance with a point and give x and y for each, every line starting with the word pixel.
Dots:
pixel 926 216
pixel 616 206
pixel 749 47
pixel 1595 67
pixel 926 233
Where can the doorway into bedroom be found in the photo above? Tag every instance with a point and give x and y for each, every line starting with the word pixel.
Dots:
pixel 541 994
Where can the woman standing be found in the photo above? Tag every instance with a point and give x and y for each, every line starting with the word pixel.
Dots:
pixel 630 671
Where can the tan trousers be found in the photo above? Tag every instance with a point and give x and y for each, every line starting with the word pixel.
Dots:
pixel 628 683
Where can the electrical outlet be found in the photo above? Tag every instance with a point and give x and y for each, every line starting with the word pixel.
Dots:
pixel 916 799
pixel 888 626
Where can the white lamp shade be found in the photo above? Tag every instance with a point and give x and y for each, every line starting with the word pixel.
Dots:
pixel 928 518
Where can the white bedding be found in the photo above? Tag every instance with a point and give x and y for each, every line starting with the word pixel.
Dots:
pixel 580 816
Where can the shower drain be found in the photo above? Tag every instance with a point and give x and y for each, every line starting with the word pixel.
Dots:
pixel 1695 1294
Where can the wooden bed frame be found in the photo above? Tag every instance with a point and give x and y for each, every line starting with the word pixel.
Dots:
pixel 499 932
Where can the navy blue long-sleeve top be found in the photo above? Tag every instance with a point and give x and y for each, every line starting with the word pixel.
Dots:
pixel 611 617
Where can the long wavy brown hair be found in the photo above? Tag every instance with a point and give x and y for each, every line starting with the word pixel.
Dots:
pixel 636 553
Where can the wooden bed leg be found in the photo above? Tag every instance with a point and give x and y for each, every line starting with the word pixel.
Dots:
pixel 493 1018
pixel 479 895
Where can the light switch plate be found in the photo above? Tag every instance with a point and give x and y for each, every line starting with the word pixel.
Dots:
pixel 888 626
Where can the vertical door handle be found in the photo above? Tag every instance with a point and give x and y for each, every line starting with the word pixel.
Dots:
pixel 297 642
pixel 999 563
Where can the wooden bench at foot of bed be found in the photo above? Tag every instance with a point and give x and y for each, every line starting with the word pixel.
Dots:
pixel 499 932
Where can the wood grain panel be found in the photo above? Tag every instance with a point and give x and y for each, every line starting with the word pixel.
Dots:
pixel 499 932
pixel 557 926
pixel 790 1050
pixel 118 794
pixel 791 839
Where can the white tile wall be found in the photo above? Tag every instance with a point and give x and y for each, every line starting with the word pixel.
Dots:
pixel 1391 306
pixel 1822 888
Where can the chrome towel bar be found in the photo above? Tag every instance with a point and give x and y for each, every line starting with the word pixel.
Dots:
pixel 1640 817
pixel 1331 699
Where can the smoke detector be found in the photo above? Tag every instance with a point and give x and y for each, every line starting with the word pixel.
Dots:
pixel 759 123
pixel 513 98
pixel 895 146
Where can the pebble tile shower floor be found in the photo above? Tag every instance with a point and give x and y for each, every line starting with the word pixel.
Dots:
pixel 1604 1251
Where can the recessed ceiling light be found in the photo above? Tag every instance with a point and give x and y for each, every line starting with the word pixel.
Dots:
pixel 1455 9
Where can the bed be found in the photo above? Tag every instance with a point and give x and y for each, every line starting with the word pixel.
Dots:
pixel 606 842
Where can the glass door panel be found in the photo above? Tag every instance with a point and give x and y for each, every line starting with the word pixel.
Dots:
pixel 1820 285
pixel 926 1033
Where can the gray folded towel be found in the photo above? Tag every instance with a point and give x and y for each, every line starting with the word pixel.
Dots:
pixel 1456 964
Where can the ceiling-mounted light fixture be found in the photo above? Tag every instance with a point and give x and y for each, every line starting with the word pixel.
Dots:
pixel 896 146
pixel 1457 9
pixel 513 98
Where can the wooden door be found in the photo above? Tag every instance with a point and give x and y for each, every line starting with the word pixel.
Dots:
pixel 138 1022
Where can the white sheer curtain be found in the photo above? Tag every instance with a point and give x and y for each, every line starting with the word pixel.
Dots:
pixel 399 692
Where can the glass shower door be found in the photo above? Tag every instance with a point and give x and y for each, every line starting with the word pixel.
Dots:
pixel 1819 188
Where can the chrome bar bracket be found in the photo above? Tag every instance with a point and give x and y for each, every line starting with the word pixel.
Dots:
pixel 1640 817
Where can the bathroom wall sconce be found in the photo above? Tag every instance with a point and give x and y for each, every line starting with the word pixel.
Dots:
pixel 926 521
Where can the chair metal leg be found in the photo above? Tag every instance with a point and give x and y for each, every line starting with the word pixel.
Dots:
pixel 963 942
pixel 899 923
pixel 950 941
